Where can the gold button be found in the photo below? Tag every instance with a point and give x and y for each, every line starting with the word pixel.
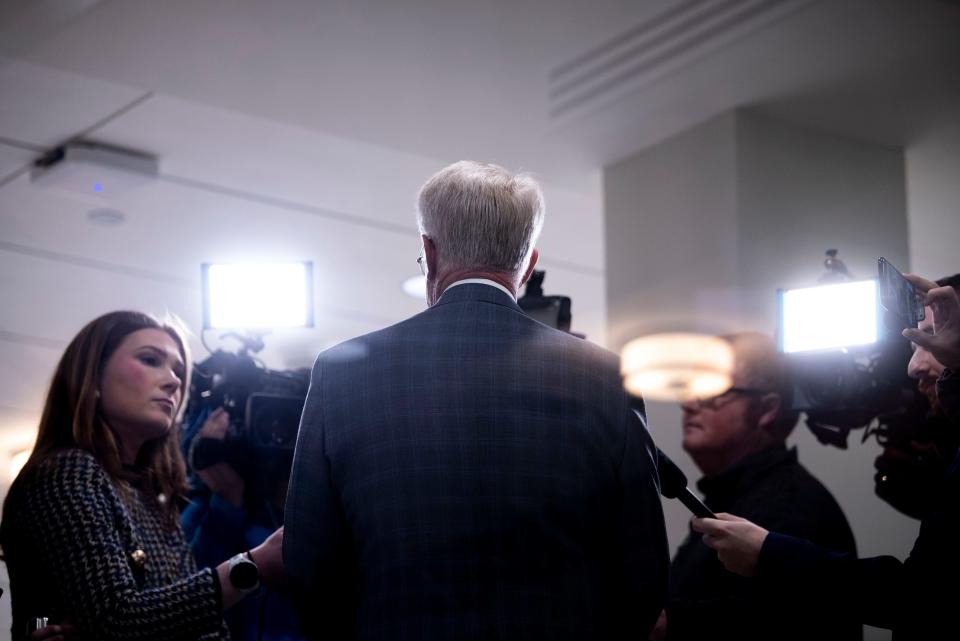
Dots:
pixel 138 558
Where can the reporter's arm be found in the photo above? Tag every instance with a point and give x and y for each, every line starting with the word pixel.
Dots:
pixel 736 540
pixel 269 559
pixel 875 591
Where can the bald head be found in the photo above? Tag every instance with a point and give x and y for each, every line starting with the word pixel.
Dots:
pixel 759 365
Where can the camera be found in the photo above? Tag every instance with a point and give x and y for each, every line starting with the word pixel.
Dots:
pixel 846 360
pixel 847 364
pixel 264 407
pixel 552 311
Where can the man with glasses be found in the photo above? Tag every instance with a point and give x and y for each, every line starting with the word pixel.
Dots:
pixel 738 440
pixel 470 473
pixel 916 598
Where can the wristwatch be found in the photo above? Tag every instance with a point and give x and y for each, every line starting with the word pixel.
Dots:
pixel 243 572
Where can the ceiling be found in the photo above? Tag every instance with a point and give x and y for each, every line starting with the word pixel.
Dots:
pixel 303 129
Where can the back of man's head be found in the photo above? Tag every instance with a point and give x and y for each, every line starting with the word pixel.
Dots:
pixel 759 365
pixel 481 216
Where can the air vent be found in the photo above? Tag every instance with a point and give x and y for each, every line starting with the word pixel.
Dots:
pixel 658 47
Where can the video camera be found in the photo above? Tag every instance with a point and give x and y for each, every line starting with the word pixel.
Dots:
pixel 847 365
pixel 264 406
pixel 552 311
pixel 845 357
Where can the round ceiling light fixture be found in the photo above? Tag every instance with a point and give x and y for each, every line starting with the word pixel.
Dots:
pixel 677 366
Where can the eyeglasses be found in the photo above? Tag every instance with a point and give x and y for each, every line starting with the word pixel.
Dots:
pixel 422 263
pixel 713 402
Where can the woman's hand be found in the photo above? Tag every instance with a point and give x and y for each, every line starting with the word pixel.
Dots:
pixel 269 559
pixel 57 632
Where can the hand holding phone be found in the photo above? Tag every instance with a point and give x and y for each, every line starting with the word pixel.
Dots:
pixel 904 304
pixel 943 342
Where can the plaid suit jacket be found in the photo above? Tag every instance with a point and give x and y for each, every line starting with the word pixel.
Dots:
pixel 470 473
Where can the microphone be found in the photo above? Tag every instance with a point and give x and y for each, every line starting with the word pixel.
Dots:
pixel 673 485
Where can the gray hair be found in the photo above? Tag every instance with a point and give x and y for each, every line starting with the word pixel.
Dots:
pixel 481 216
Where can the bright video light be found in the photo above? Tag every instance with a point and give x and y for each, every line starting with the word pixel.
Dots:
pixel 829 317
pixel 257 296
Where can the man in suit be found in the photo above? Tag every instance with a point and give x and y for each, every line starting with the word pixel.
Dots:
pixel 470 473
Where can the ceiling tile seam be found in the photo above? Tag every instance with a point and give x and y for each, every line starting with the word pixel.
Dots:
pixel 29 146
pixel 344 217
pixel 6 180
pixel 147 275
pixel 106 120
pixel 19 144
pixel 608 87
pixel 92 263
pixel 283 203
pixel 9 178
pixel 642 47
pixel 33 341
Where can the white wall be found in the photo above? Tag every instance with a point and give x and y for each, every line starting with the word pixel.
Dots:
pixel 933 197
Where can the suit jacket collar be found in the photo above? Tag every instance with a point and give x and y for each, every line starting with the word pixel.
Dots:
pixel 477 292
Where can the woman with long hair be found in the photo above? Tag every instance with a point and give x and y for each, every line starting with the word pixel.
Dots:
pixel 90 526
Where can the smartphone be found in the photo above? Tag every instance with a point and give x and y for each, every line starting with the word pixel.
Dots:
pixel 898 296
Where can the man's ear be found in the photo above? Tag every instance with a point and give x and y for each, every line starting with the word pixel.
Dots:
pixel 769 409
pixel 534 255
pixel 429 255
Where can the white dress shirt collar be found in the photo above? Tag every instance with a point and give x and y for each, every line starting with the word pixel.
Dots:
pixel 482 281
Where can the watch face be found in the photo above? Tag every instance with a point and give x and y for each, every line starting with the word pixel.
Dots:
pixel 244 575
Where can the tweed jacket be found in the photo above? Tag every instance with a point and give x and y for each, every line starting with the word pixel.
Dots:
pixel 73 546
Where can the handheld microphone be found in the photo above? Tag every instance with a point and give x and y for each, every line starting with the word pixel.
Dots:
pixel 673 485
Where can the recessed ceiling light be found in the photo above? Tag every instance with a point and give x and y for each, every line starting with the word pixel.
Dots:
pixel 106 217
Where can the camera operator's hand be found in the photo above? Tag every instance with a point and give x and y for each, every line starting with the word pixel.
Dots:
pixel 736 540
pixel 944 343
pixel 221 478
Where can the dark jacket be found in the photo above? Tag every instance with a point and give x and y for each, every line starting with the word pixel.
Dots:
pixel 774 491
pixel 470 473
